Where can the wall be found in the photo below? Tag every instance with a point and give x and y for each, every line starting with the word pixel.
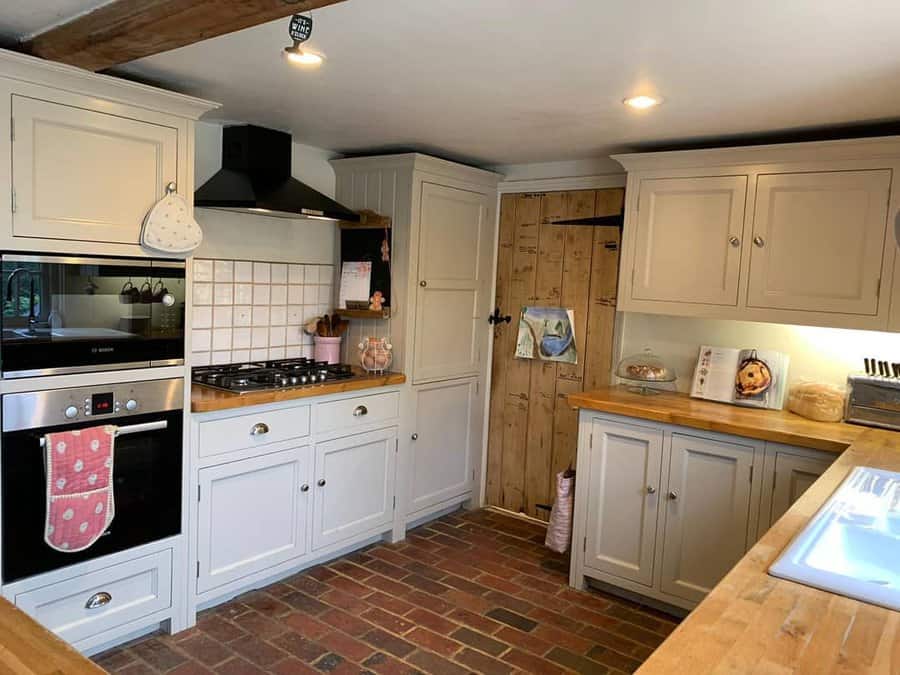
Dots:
pixel 582 167
pixel 822 354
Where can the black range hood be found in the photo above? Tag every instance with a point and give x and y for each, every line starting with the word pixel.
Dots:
pixel 256 178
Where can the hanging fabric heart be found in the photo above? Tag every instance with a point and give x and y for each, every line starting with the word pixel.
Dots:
pixel 169 227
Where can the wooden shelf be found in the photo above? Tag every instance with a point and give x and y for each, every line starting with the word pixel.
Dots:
pixel 368 220
pixel 364 313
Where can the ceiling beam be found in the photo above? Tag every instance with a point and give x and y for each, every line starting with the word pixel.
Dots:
pixel 125 30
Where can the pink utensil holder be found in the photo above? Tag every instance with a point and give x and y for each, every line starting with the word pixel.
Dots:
pixel 327 349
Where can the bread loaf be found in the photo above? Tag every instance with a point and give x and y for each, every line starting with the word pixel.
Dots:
pixel 820 402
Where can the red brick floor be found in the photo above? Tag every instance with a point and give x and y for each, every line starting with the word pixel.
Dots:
pixel 473 592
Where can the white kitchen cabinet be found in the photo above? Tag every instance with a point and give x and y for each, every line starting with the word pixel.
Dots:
pixel 707 513
pixel 252 515
pixel 454 266
pixel 688 239
pixel 787 474
pixel 353 490
pixel 446 441
pixel 818 241
pixel 84 174
pixel 622 499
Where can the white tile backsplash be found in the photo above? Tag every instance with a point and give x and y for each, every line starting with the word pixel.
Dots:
pixel 252 310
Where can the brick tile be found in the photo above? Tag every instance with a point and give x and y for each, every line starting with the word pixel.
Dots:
pixel 349 603
pixel 307 583
pixel 348 585
pixel 562 638
pixel 159 655
pixel 265 604
pixel 425 584
pixel 384 664
pixel 388 621
pixel 387 585
pixel 512 619
pixel 575 662
pixel 526 641
pixel 259 626
pixel 593 618
pixel 474 603
pixel 480 663
pixel 498 584
pixel 479 640
pixel 299 646
pixel 137 668
pixel 205 650
pixel 420 568
pixel 434 664
pixel 114 660
pixel 422 599
pixel 473 620
pixel 256 651
pixel 450 542
pixel 292 666
pixel 605 638
pixel 346 622
pixel 390 603
pixel 464 585
pixel 432 641
pixel 586 599
pixel 388 642
pixel 386 568
pixel 531 663
pixel 320 573
pixel 539 599
pixel 534 583
pixel 306 625
pixel 389 555
pixel 329 663
pixel 190 668
pixel 614 659
pixel 351 570
pixel 641 635
pixel 498 599
pixel 546 616
pixel 438 624
pixel 305 603
pixel 219 629
pixel 346 646
pixel 239 666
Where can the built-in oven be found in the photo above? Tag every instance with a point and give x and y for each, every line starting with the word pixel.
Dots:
pixel 147 468
pixel 65 314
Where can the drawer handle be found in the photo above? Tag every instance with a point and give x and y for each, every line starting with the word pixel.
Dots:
pixel 321 482
pixel 734 241
pixel 673 495
pixel 259 429
pixel 415 437
pixel 360 410
pixel 304 488
pixel 98 600
pixel 650 489
pixel 759 241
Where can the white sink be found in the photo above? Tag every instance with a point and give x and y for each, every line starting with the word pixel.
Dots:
pixel 852 545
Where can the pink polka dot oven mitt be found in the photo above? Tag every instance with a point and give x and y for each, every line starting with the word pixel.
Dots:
pixel 80 503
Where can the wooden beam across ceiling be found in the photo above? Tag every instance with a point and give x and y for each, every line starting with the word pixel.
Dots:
pixel 125 30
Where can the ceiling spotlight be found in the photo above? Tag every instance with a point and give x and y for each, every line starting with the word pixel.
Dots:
pixel 642 102
pixel 297 55
pixel 300 29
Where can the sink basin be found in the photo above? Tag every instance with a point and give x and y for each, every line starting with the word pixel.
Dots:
pixel 852 545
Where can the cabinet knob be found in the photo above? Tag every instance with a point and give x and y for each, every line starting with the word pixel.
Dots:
pixel 423 283
pixel 650 489
pixel 360 410
pixel 304 488
pixel 259 429
pixel 673 495
pixel 98 600
pixel 415 437
pixel 734 241
pixel 321 482
pixel 759 241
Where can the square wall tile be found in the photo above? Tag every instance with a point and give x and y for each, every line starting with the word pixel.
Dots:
pixel 260 316
pixel 295 274
pixel 203 270
pixel 221 338
pixel 261 294
pixel 224 270
pixel 310 295
pixel 202 317
pixel 276 352
pixel 295 314
pixel 220 358
pixel 223 316
pixel 259 354
pixel 200 359
pixel 295 295
pixel 240 355
pixel 325 294
pixel 278 294
pixel 203 294
pixel 243 271
pixel 310 274
pixel 223 294
pixel 276 336
pixel 277 315
pixel 240 338
pixel 242 315
pixel 293 352
pixel 326 274
pixel 243 294
pixel 201 340
pixel 262 273
pixel 279 272
pixel 260 336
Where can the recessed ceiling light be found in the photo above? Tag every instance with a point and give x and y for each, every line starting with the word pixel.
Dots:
pixel 642 102
pixel 300 57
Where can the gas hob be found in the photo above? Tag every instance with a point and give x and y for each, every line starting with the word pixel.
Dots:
pixel 268 375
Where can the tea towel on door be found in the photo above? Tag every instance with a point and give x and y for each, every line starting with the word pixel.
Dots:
pixel 559 529
pixel 80 503
pixel 169 227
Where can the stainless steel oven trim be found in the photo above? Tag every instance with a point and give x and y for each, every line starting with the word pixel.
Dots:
pixel 169 263
pixel 74 260
pixel 69 370
pixel 130 429
pixel 166 362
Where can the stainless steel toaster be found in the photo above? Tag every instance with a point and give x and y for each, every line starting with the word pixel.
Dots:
pixel 873 400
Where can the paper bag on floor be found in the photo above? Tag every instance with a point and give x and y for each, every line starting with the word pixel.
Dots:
pixel 559 529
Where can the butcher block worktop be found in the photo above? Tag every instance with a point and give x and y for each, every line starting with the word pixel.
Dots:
pixel 779 426
pixel 27 648
pixel 206 399
pixel 752 622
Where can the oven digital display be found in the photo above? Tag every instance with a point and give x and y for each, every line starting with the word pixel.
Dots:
pixel 101 404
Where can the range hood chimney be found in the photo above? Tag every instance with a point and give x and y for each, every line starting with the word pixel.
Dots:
pixel 256 178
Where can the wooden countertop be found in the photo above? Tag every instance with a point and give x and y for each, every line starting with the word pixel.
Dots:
pixel 779 426
pixel 27 648
pixel 206 399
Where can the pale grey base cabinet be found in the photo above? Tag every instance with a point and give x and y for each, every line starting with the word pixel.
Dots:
pixel 666 511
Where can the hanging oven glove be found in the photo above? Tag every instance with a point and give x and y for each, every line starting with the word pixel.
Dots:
pixel 168 226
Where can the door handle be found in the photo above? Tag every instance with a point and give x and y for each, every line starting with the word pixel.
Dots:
pixel 423 283
pixel 259 429
pixel 496 317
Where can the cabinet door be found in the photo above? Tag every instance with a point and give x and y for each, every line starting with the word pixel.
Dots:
pixel 455 240
pixel 354 486
pixel 688 240
pixel 252 515
pixel 793 475
pixel 707 514
pixel 81 174
pixel 623 499
pixel 442 454
pixel 818 241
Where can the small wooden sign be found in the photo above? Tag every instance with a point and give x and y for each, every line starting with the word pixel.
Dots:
pixel 300 28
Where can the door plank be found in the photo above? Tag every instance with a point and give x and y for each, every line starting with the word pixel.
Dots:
pixel 502 345
pixel 125 30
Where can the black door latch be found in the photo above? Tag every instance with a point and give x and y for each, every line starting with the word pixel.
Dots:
pixel 497 318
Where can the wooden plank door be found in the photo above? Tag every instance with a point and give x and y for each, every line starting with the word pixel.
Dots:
pixel 533 431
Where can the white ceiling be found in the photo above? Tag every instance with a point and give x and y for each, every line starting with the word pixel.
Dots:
pixel 507 81
pixel 22 18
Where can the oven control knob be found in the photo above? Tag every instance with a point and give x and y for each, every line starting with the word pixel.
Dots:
pixel 131 404
pixel 71 412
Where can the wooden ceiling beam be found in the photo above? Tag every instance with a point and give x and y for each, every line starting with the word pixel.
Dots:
pixel 125 30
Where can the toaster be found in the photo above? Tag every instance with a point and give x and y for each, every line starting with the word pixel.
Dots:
pixel 873 400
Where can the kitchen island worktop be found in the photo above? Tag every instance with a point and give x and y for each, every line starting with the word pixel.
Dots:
pixel 206 399
pixel 752 622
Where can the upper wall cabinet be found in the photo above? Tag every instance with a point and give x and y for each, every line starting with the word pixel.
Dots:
pixel 87 156
pixel 701 219
pixel 82 174
pixel 799 233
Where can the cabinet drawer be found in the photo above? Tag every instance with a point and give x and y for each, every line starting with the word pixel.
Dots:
pixel 355 412
pixel 135 589
pixel 246 431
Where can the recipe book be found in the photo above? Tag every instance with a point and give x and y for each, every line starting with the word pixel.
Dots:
pixel 749 377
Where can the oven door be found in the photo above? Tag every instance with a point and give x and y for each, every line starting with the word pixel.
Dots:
pixel 68 315
pixel 147 489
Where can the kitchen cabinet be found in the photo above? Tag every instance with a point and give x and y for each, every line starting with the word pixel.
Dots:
pixel 623 499
pixel 445 443
pixel 454 265
pixel 252 515
pixel 354 486
pixel 818 241
pixel 787 474
pixel 707 513
pixel 799 233
pixel 688 239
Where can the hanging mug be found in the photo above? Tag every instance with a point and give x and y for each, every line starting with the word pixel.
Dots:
pixel 146 293
pixel 162 294
pixel 129 294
